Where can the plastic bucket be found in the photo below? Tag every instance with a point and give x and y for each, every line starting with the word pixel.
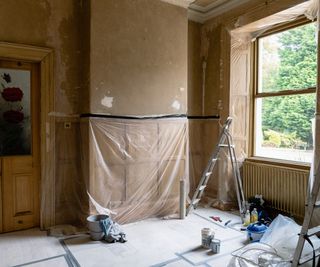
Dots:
pixel 255 232
pixel 96 232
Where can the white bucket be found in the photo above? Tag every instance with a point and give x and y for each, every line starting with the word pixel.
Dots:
pixel 207 235
pixel 96 232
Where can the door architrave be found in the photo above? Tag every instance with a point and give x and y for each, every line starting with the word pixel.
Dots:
pixel 45 57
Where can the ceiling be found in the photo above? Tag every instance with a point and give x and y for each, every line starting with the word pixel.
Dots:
pixel 203 10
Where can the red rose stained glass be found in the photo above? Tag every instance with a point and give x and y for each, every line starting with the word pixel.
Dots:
pixel 12 94
pixel 13 116
pixel 15 112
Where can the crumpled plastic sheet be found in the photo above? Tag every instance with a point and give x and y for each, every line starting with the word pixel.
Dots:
pixel 276 247
pixel 248 33
pixel 257 254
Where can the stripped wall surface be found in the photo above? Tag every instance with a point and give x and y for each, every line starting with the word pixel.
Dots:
pixel 222 96
pixel 59 25
pixel 138 59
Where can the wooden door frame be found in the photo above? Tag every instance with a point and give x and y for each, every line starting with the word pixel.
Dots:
pixel 43 56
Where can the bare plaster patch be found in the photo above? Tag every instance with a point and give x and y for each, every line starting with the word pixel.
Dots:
pixel 176 105
pixel 107 101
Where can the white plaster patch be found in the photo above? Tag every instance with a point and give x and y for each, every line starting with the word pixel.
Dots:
pixel 176 105
pixel 107 101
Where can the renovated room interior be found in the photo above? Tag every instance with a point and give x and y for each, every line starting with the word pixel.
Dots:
pixel 116 106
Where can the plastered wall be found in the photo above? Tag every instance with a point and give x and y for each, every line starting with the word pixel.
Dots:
pixel 194 69
pixel 55 24
pixel 125 57
pixel 215 49
pixel 138 58
pixel 60 25
pixel 199 147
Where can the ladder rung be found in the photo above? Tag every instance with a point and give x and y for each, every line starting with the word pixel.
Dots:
pixel 224 145
pixel 195 201
pixel 208 174
pixel 213 160
pixel 316 204
pixel 313 231
pixel 309 257
pixel 202 187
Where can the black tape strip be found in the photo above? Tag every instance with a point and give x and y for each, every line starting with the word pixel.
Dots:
pixel 92 115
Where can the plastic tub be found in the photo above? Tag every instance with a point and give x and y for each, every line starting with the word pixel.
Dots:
pixel 255 231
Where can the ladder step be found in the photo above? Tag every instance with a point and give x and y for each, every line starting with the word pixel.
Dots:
pixel 309 257
pixel 202 187
pixel 313 231
pixel 316 204
pixel 213 160
pixel 225 145
pixel 208 174
pixel 196 201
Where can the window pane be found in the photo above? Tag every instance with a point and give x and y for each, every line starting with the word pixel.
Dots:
pixel 288 60
pixel 284 127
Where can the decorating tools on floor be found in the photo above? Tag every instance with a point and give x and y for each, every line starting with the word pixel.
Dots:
pixel 208 241
pixel 216 218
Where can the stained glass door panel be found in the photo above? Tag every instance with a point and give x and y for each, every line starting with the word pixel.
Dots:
pixel 15 112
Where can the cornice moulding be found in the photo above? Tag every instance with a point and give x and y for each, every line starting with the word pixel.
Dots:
pixel 202 14
pixel 182 3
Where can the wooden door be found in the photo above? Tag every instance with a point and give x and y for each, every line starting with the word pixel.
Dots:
pixel 19 144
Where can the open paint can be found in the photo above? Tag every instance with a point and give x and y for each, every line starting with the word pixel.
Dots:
pixel 206 236
pixel 215 245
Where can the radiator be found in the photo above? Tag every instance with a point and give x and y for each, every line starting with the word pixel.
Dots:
pixel 283 188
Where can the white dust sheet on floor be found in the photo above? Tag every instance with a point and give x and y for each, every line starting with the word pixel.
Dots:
pixel 152 242
pixel 156 242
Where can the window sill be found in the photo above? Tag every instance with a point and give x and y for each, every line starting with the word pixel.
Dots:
pixel 280 162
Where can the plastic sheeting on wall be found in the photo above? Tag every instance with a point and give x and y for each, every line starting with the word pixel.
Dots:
pixel 240 81
pixel 240 65
pixel 134 166
pixel 247 33
pixel 241 39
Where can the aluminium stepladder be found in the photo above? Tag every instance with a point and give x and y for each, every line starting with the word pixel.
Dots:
pixel 225 140
pixel 306 233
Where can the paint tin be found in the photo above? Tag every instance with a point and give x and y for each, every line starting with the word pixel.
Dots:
pixel 206 237
pixel 215 246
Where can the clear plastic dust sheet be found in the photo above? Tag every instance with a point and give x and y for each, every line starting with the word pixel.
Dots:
pixel 136 168
pixel 242 36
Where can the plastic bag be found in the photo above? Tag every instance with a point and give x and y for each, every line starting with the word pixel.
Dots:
pixel 257 254
pixel 276 247
pixel 282 235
